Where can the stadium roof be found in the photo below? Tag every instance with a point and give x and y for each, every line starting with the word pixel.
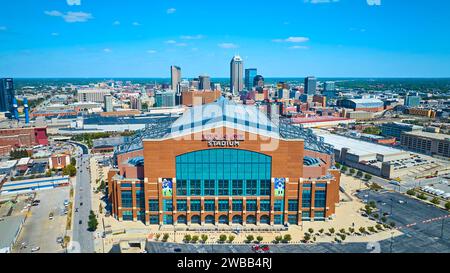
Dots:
pixel 226 113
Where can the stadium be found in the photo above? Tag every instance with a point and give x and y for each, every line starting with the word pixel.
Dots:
pixel 224 164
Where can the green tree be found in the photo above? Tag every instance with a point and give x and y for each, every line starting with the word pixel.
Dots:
pixel 332 231
pixel 321 231
pixel 187 238
pixel 307 237
pixel 222 238
pixel 259 239
pixel 73 161
pixel 231 239
pixel 447 205
pixel 422 196
pixel 367 176
pixel 344 169
pixel 278 239
pixel 157 236
pixel 362 230
pixel 165 237
pixel 372 131
pixel 92 223
pixel 352 171
pixel 411 192
pixel 250 238
pixel 204 238
pixel 338 165
pixel 359 174
pixel 311 230
pixel 435 201
pixel 194 239
pixel 287 238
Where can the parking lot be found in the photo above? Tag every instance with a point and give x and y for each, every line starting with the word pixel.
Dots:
pixel 39 230
pixel 429 237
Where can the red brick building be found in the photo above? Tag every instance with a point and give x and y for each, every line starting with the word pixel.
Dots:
pixel 225 164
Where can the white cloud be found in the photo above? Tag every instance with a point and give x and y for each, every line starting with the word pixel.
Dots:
pixel 192 37
pixel 116 23
pixel 54 13
pixel 74 2
pixel 374 2
pixel 55 34
pixel 151 51
pixel 170 42
pixel 3 28
pixel 228 45
pixel 181 44
pixel 136 24
pixel 292 40
pixel 71 17
pixel 107 50
pixel 321 1
pixel 298 47
pixel 171 10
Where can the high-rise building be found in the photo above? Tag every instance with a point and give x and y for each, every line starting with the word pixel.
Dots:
pixel 175 74
pixel 205 82
pixel 108 103
pixel 236 75
pixel 412 100
pixel 250 74
pixel 195 84
pixel 6 95
pixel 310 85
pixel 165 98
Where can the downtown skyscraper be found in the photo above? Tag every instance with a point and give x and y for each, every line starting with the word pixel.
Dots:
pixel 6 95
pixel 250 75
pixel 175 74
pixel 236 75
pixel 310 85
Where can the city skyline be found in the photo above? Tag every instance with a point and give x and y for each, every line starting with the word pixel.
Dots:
pixel 91 39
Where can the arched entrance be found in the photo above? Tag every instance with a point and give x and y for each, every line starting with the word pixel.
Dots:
pixel 195 219
pixel 251 220
pixel 237 219
pixel 209 219
pixel 223 219
pixel 265 220
pixel 182 219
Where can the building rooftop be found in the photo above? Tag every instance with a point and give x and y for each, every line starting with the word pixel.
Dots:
pixel 429 135
pixel 357 147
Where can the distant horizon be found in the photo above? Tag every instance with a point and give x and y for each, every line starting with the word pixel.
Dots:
pixel 226 77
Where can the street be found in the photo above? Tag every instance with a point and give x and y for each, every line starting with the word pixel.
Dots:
pixel 82 206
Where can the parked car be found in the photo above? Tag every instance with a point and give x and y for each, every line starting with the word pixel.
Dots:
pixel 35 249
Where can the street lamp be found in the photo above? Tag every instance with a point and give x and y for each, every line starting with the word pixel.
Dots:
pixel 392 241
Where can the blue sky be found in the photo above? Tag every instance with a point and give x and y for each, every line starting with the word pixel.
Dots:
pixel 284 38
